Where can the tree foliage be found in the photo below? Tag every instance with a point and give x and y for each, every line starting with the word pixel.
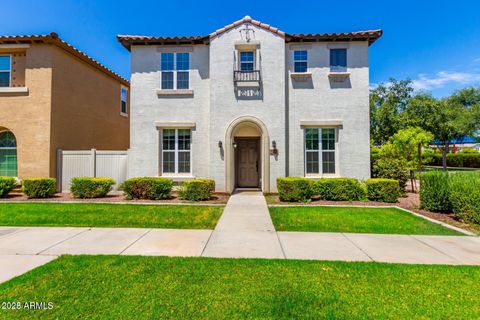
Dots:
pixel 393 108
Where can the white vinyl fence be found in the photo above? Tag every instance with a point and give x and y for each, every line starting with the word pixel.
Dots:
pixel 90 163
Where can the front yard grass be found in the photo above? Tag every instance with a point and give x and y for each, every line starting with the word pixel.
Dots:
pixel 109 215
pixel 120 287
pixel 353 220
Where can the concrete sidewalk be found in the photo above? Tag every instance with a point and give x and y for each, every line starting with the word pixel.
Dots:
pixel 245 230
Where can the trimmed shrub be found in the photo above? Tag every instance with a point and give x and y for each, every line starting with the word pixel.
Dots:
pixel 435 191
pixel 197 190
pixel 87 187
pixel 6 185
pixel 293 189
pixel 461 159
pixel 395 169
pixel 384 190
pixel 339 189
pixel 465 196
pixel 39 187
pixel 147 188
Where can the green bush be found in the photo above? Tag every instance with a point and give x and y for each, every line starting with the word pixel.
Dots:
pixel 384 190
pixel 6 185
pixel 88 187
pixel 435 191
pixel 147 188
pixel 39 187
pixel 462 159
pixel 197 190
pixel 293 189
pixel 465 196
pixel 389 168
pixel 339 189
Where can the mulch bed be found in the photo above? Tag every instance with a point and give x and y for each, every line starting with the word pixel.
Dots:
pixel 112 198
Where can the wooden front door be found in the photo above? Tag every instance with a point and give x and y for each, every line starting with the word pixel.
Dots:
pixel 247 162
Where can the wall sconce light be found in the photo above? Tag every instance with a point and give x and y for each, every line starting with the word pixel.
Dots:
pixel 234 145
pixel 274 150
pixel 220 144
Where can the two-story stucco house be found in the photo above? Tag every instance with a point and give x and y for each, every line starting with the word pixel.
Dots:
pixel 250 103
pixel 53 96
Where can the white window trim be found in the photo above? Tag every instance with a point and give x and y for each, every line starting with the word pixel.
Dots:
pixel 125 114
pixel 9 70
pixel 293 62
pixel 176 151
pixel 254 59
pixel 174 70
pixel 320 173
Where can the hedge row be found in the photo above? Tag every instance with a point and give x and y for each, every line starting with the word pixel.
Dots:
pixel 294 189
pixel 161 188
pixel 457 192
pixel 461 159
pixel 135 188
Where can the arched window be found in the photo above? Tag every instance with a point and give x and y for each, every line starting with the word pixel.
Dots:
pixel 8 154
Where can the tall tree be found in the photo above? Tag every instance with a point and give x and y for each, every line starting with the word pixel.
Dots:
pixel 387 102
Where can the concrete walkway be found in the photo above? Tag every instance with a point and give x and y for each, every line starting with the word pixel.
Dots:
pixel 245 230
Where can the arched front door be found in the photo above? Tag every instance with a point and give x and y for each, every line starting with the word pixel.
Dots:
pixel 8 154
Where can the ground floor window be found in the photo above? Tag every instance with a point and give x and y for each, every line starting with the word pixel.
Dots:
pixel 320 151
pixel 8 154
pixel 176 151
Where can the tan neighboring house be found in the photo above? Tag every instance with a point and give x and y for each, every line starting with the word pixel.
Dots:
pixel 53 96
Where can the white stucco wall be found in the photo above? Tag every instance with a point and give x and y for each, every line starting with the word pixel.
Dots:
pixel 147 108
pixel 214 106
pixel 225 107
pixel 321 98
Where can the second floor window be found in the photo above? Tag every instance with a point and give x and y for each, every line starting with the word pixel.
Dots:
pixel 123 100
pixel 5 62
pixel 247 61
pixel 300 61
pixel 338 60
pixel 175 70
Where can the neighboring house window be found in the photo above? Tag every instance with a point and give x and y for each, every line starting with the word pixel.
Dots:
pixel 300 61
pixel 123 99
pixel 176 151
pixel 8 154
pixel 5 66
pixel 247 61
pixel 320 151
pixel 338 60
pixel 175 70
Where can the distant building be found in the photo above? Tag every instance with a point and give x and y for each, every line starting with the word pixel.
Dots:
pixel 53 96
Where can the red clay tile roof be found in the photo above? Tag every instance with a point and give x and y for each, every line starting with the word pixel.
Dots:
pixel 247 19
pixel 53 38
pixel 369 35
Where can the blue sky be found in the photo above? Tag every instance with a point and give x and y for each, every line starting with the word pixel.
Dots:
pixel 434 43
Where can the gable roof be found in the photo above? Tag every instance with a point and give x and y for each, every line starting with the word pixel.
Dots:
pixel 368 35
pixel 53 38
pixel 247 19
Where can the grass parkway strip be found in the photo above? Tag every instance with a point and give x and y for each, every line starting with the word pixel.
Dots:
pixel 104 287
pixel 109 215
pixel 353 220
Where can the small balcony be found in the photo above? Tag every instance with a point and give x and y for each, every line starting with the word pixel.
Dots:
pixel 247 78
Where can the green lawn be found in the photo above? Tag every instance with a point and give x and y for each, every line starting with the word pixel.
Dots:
pixel 109 215
pixel 120 287
pixel 354 220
